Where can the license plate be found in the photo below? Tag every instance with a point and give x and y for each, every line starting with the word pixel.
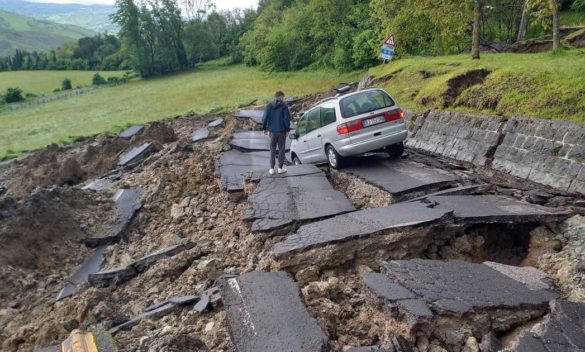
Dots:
pixel 373 121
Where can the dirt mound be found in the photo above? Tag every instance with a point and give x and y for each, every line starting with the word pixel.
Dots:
pixel 76 163
pixel 532 46
pixel 577 39
pixel 457 84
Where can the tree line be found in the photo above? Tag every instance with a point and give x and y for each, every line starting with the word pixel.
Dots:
pixel 164 36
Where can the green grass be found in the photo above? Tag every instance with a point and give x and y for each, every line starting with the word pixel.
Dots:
pixel 542 85
pixel 46 81
pixel 572 18
pixel 209 87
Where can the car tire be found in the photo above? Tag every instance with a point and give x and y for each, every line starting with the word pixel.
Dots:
pixel 335 160
pixel 296 160
pixel 395 150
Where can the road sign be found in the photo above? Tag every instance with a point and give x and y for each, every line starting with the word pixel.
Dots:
pixel 387 53
pixel 388 49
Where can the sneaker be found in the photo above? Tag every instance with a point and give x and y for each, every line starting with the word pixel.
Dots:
pixel 281 170
pixel 271 171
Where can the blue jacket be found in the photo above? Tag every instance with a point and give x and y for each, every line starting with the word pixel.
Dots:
pixel 276 117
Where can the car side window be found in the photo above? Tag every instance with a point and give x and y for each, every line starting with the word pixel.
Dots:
pixel 302 126
pixel 313 120
pixel 328 114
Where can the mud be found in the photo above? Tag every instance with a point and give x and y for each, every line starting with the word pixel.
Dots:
pixel 457 84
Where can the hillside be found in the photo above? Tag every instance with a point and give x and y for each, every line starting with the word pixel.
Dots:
pixel 94 17
pixel 545 85
pixel 25 33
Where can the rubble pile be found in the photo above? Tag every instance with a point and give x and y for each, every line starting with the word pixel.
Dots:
pixel 189 245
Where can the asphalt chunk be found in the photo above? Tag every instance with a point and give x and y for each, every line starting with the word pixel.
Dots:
pixel 494 209
pixel 254 115
pixel 253 141
pixel 91 265
pixel 135 154
pixel 216 123
pixel 265 314
pixel 402 179
pixel 200 134
pixel 232 165
pixel 131 131
pixel 304 194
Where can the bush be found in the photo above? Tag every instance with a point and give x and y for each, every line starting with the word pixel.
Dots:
pixel 30 95
pixel 66 84
pixel 56 90
pixel 98 80
pixel 13 95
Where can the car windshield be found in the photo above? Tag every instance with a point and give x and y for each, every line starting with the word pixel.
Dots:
pixel 365 102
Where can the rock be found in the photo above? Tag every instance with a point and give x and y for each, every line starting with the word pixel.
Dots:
pixel 471 345
pixel 177 212
pixel 539 197
pixel 490 343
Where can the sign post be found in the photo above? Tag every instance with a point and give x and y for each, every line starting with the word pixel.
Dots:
pixel 389 48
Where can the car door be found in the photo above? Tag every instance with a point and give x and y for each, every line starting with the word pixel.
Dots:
pixel 311 140
pixel 328 129
pixel 298 145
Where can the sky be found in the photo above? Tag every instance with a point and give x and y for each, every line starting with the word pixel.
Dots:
pixel 221 4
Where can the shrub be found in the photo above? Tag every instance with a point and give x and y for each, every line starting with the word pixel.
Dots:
pixel 30 95
pixel 13 95
pixel 66 84
pixel 56 90
pixel 98 80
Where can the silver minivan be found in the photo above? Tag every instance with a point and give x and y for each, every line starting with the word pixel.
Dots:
pixel 349 125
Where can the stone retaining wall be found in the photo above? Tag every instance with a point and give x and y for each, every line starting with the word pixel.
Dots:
pixel 548 152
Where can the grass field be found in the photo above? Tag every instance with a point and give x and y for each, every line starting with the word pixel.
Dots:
pixel 543 85
pixel 46 81
pixel 209 87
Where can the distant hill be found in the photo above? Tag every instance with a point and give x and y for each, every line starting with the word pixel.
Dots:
pixel 25 33
pixel 94 17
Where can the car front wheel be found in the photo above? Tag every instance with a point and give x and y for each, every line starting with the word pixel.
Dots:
pixel 336 161
pixel 296 160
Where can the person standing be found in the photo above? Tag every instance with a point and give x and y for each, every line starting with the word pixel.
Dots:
pixel 276 123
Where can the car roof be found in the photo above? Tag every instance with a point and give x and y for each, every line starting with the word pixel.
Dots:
pixel 336 98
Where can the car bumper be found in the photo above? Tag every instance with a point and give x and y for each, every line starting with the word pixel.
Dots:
pixel 346 148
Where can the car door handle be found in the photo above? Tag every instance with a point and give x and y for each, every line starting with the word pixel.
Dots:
pixel 305 141
pixel 318 136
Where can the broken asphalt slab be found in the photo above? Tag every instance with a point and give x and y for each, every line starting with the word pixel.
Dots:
pixel 494 209
pixel 120 275
pixel 385 232
pixel 200 134
pixel 304 193
pixel 127 204
pixel 215 123
pixel 563 329
pixel 400 178
pixel 253 141
pixel 254 115
pixel 131 131
pixel 427 293
pixel 135 154
pixel 231 166
pixel 362 234
pixel 265 313
pixel 91 265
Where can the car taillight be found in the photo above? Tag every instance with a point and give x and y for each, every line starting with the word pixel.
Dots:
pixel 349 127
pixel 393 116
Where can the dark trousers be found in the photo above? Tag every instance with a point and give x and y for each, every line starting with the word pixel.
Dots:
pixel 277 139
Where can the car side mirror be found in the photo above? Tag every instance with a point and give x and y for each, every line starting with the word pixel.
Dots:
pixel 293 136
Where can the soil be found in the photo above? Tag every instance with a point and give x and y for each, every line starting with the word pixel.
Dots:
pixel 457 84
pixel 42 233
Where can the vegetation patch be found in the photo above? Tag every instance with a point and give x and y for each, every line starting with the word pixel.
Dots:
pixel 544 85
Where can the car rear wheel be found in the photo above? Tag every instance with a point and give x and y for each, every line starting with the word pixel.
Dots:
pixel 395 150
pixel 296 160
pixel 335 160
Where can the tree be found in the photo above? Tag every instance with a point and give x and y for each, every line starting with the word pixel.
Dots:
pixel 13 95
pixel 98 80
pixel 476 41
pixel 554 6
pixel 66 84
pixel 523 22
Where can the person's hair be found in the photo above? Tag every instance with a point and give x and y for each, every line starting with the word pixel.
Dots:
pixel 279 94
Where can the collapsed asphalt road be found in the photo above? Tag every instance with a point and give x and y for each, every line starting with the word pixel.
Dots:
pixel 207 252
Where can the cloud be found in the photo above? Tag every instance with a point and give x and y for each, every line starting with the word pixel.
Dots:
pixel 221 4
